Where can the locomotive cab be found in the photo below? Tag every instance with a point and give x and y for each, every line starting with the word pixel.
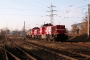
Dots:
pixel 60 33
pixel 55 33
pixel 34 32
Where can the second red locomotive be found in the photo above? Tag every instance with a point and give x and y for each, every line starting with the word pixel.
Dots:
pixel 49 32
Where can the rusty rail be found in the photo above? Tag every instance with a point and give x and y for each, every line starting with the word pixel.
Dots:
pixel 28 55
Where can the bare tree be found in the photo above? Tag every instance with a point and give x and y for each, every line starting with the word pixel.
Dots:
pixel 85 24
pixel 3 34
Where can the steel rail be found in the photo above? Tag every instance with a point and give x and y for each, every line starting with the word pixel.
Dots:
pixel 28 55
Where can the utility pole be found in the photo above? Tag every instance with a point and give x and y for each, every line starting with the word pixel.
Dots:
pixel 88 21
pixel 24 27
pixel 24 30
pixel 51 14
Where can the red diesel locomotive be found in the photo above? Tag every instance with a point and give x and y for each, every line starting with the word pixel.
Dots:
pixel 49 32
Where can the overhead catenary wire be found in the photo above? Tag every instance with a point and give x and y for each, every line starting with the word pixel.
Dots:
pixel 74 10
pixel 77 7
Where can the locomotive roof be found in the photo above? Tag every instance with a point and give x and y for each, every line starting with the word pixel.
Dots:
pixel 48 24
pixel 36 28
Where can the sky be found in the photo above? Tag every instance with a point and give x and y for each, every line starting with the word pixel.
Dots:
pixel 35 13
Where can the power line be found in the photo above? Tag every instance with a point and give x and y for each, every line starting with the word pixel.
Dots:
pixel 39 3
pixel 47 1
pixel 22 9
pixel 81 6
pixel 32 6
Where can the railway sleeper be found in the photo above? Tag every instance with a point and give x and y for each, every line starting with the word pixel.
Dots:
pixel 11 56
pixel 77 56
pixel 6 57
pixel 23 52
pixel 53 52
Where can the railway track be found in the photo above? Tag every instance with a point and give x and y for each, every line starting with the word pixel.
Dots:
pixel 13 52
pixel 77 53
pixel 20 53
pixel 43 54
pixel 69 51
pixel 67 54
pixel 3 55
pixel 83 50
pixel 7 55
